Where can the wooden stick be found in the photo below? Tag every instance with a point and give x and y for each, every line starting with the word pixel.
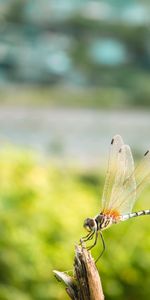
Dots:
pixel 86 283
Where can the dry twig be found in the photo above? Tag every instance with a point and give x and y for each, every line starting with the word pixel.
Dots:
pixel 86 283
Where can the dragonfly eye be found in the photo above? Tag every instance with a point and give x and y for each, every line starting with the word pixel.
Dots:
pixel 90 224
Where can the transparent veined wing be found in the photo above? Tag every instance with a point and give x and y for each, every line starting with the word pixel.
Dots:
pixel 133 185
pixel 115 146
pixel 142 173
pixel 123 193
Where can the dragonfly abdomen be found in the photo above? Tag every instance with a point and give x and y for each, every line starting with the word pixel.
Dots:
pixel 135 214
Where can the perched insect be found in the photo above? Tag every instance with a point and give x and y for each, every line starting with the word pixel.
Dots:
pixel 122 186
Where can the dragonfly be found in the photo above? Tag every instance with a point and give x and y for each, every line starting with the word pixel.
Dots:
pixel 122 186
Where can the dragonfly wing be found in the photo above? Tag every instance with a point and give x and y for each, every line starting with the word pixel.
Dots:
pixel 115 146
pixel 124 189
pixel 142 173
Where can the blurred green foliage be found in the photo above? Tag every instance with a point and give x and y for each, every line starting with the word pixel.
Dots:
pixel 42 208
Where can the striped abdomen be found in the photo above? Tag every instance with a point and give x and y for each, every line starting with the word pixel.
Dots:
pixel 135 214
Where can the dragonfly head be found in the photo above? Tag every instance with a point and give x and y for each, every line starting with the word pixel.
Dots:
pixel 90 224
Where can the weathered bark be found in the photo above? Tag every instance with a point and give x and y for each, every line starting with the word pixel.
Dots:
pixel 86 283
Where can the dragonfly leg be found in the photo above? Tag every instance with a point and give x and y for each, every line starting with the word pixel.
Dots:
pixel 89 236
pixel 96 236
pixel 85 237
pixel 104 247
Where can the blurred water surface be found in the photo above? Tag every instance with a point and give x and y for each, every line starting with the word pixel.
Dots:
pixel 81 135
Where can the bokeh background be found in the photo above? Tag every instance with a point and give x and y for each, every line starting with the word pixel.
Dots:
pixel 72 74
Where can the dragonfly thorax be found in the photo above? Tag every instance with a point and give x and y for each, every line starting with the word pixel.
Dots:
pixel 103 221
